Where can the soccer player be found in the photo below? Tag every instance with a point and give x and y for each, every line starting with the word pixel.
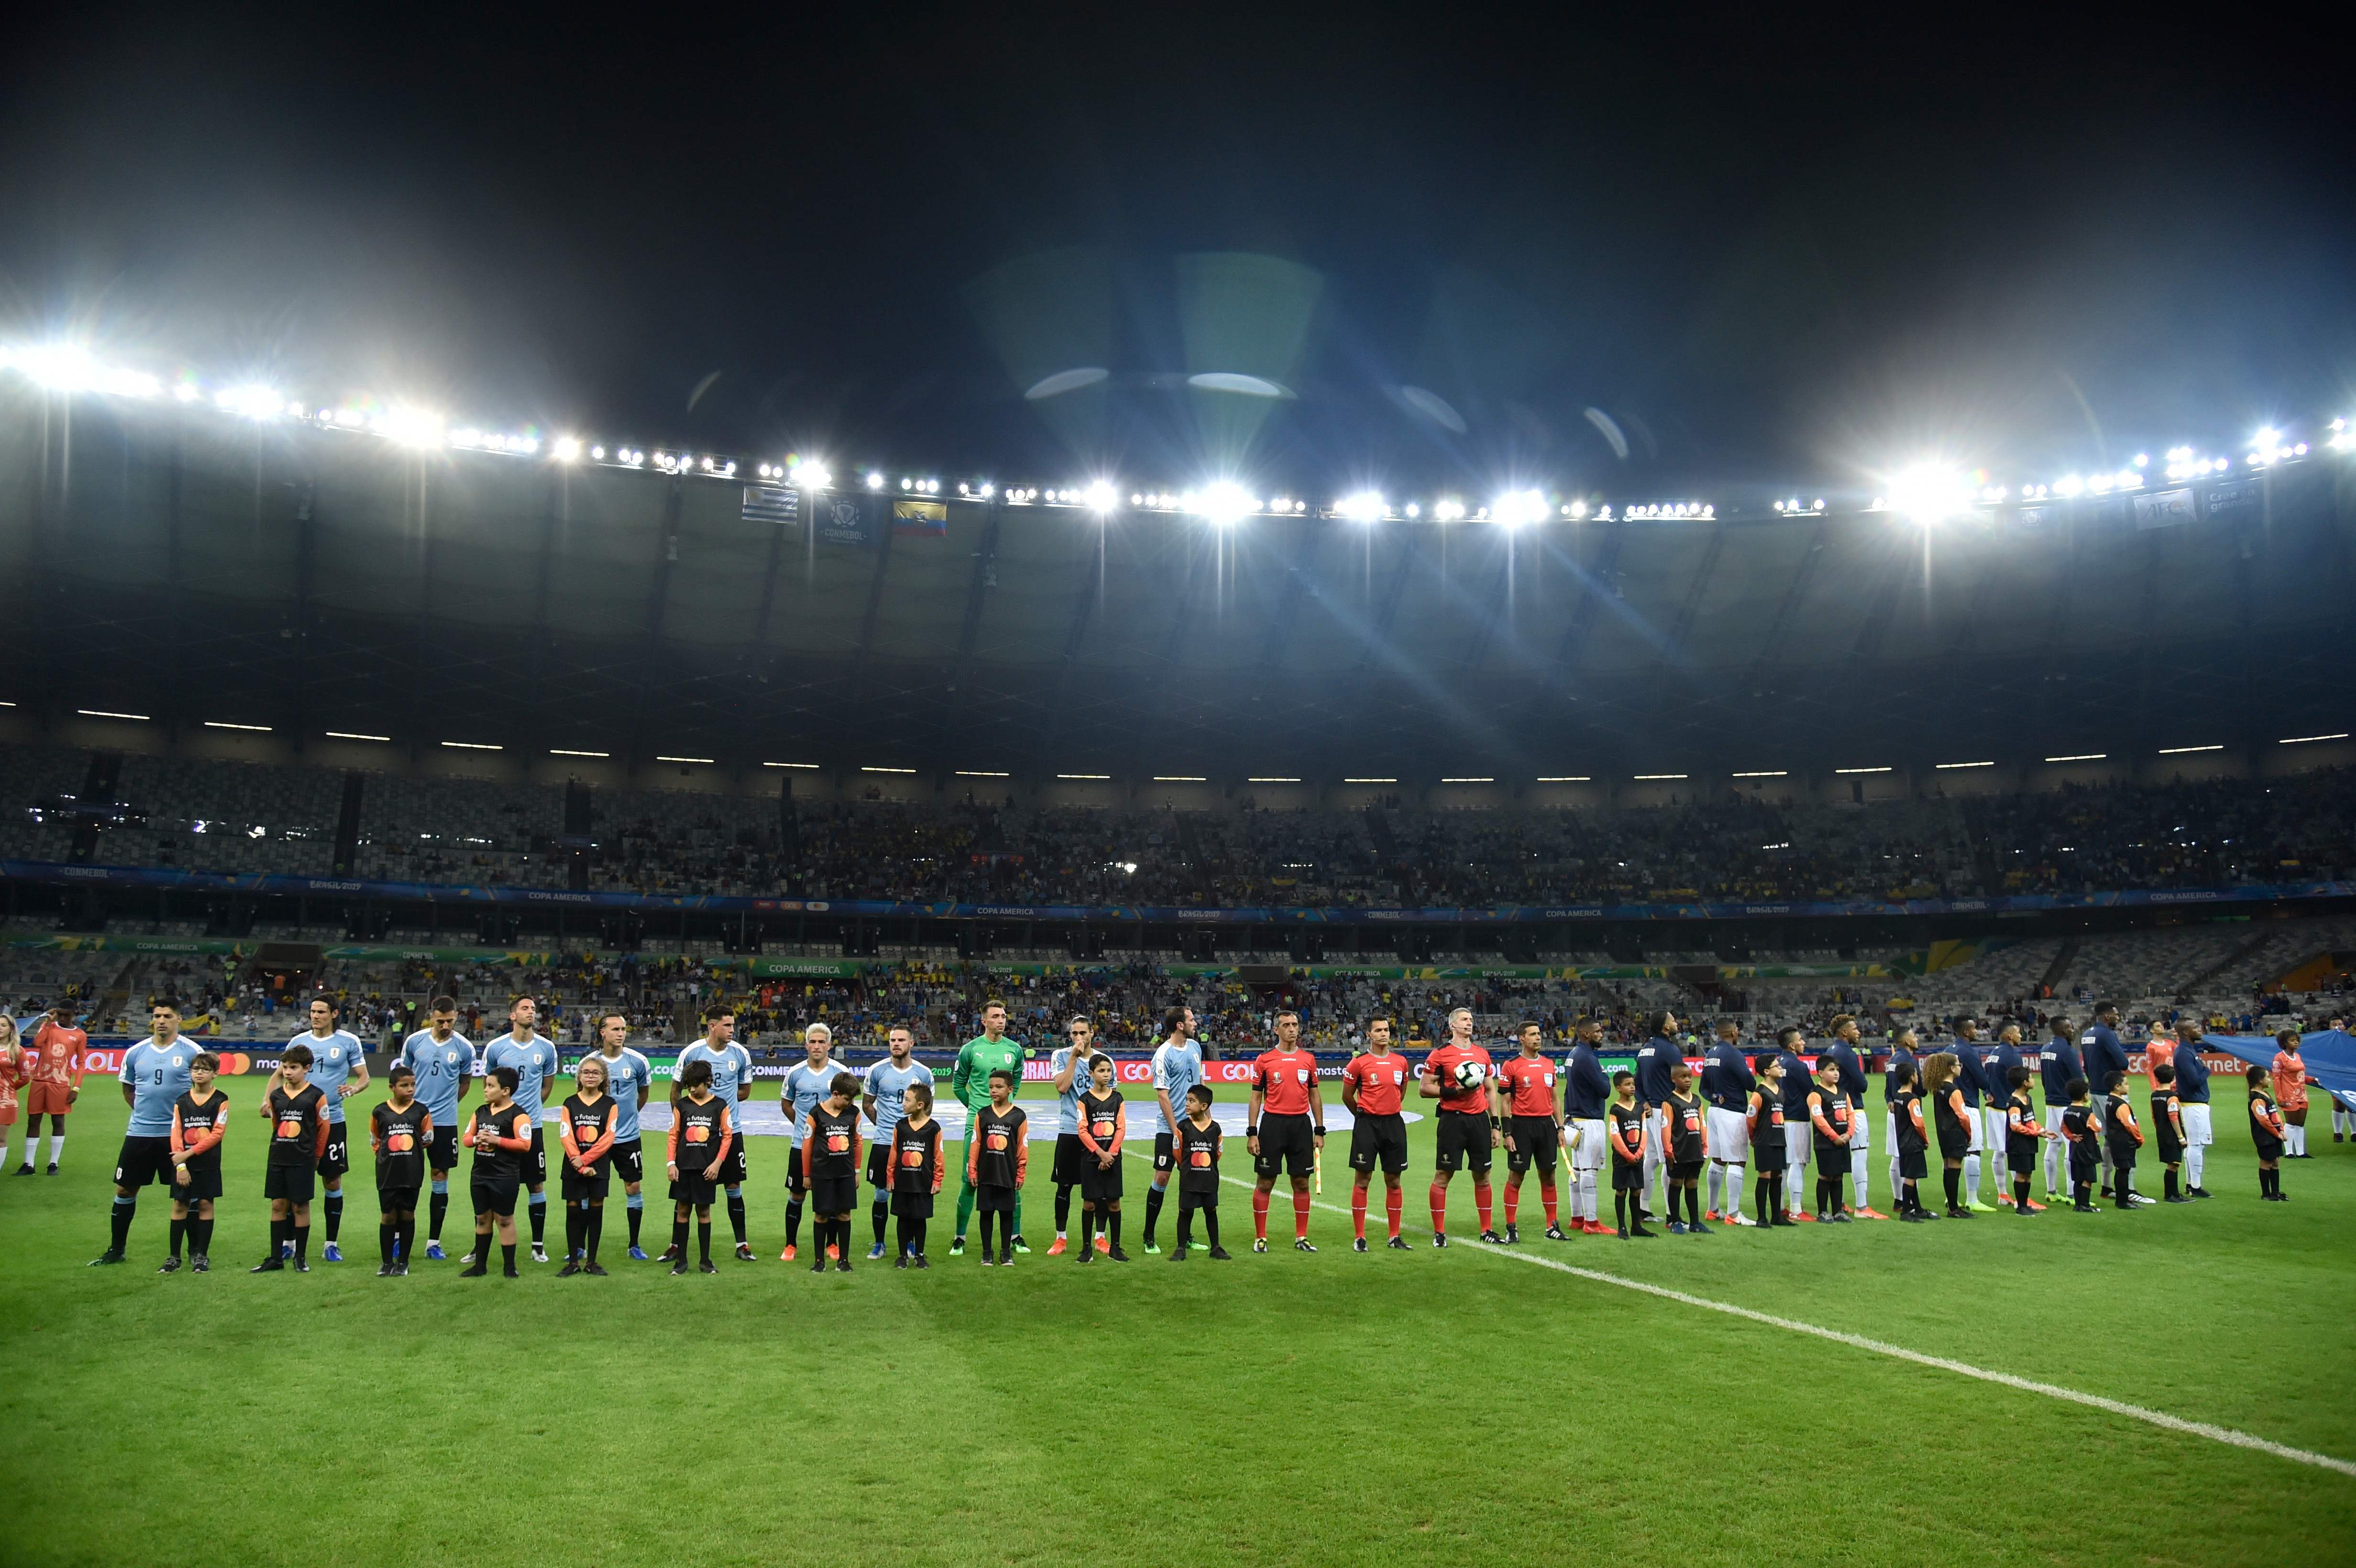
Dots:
pixel 883 1096
pixel 586 1123
pixel 444 1061
pixel 695 1159
pixel 2266 1129
pixel 998 1159
pixel 2057 1069
pixel 1975 1089
pixel 731 1080
pixel 807 1081
pixel 2081 1129
pixel 1457 1075
pixel 338 1070
pixel 1104 1127
pixel 1653 1059
pixel 2168 1131
pixel 1533 1128
pixel 630 1080
pixel 1069 1065
pixel 533 1057
pixel 1831 1121
pixel 1627 1139
pixel 401 1129
pixel 1998 1057
pixel 1728 1085
pixel 1685 1126
pixel 2124 1136
pixel 1793 1079
pixel 1764 1123
pixel 199 1121
pixel 1853 1087
pixel 1585 1093
pixel 1954 1118
pixel 2193 1105
pixel 1199 1138
pixel 1285 1128
pixel 155 1075
pixel 980 1057
pixel 298 1114
pixel 2099 1054
pixel 1177 1067
pixel 1910 1140
pixel 831 1154
pixel 2021 1135
pixel 914 1161
pixel 56 1075
pixel 2291 1079
pixel 1373 1085
pixel 1901 1054
pixel 501 1135
pixel 15 1071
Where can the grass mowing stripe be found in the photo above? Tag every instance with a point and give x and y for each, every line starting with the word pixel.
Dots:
pixel 1882 1348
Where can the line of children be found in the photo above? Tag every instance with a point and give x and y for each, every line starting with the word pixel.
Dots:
pixel 997 1160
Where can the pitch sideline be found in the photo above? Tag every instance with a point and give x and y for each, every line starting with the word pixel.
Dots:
pixel 2160 1418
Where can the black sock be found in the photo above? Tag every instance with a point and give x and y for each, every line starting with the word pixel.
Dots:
pixel 507 1256
pixel 385 1242
pixel 435 1211
pixel 2080 1193
pixel 2166 1183
pixel 573 1213
pixel 1758 1200
pixel 302 1242
pixel 736 1215
pixel 2020 1192
pixel 278 1238
pixel 1211 1226
pixel 678 1239
pixel 1776 1194
pixel 1063 1209
pixel 794 1224
pixel 703 1239
pixel 1153 1197
pixel 538 1208
pixel 1185 1225
pixel 1113 1222
pixel 596 1230
pixel 179 1230
pixel 1909 1196
pixel 1620 1207
pixel 335 1205
pixel 1953 1180
pixel 637 1213
pixel 404 1236
pixel 879 1212
pixel 119 1220
pixel 907 1236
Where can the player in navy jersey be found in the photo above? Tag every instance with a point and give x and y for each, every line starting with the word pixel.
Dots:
pixel 1653 1059
pixel 1799 1135
pixel 882 1096
pixel 1585 1093
pixel 199 1121
pixel 155 1075
pixel 1069 1067
pixel 533 1055
pixel 444 1061
pixel 731 1080
pixel 399 1131
pixel 1844 1054
pixel 338 1070
pixel 2192 1104
pixel 1901 1055
pixel 1998 1057
pixel 2099 1054
pixel 1727 1083
pixel 630 1080
pixel 807 1082
pixel 2057 1069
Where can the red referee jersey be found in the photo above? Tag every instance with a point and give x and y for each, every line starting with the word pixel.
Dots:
pixel 1530 1080
pixel 1282 1079
pixel 1443 1061
pixel 1381 1082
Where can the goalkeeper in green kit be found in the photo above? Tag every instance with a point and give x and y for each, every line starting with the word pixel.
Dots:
pixel 987 1052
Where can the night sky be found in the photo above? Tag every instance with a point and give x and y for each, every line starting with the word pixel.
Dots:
pixel 1758 249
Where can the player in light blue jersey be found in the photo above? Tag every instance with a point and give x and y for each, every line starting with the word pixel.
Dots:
pixel 807 1081
pixel 880 1098
pixel 533 1057
pixel 731 1081
pixel 155 1075
pixel 630 1080
pixel 444 1061
pixel 1177 1067
pixel 1068 1067
pixel 339 1069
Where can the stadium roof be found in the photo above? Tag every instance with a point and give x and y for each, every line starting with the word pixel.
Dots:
pixel 193 568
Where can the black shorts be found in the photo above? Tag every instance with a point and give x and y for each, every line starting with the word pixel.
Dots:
pixel 2170 1150
pixel 1165 1155
pixel 1536 1142
pixel 2123 1158
pixel 795 1181
pixel 1627 1176
pixel 2020 1156
pixel 1463 1141
pixel 140 1161
pixel 734 1170
pixel 535 1161
pixel 993 1199
pixel 1071 1159
pixel 1831 1157
pixel 834 1194
pixel 294 1183
pixel 204 1182
pixel 1102 1186
pixel 913 1205
pixel 2086 1164
pixel 580 1188
pixel 1953 1145
pixel 1379 1140
pixel 396 1200
pixel 495 1197
pixel 1287 1144
pixel 693 1190
pixel 337 1158
pixel 879 1165
pixel 442 1149
pixel 1189 1201
pixel 630 1161
pixel 1913 1164
pixel 1685 1170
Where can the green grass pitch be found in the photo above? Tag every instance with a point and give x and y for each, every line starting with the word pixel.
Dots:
pixel 1455 1408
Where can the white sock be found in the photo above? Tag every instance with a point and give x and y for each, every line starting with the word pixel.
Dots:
pixel 2052 1160
pixel 1972 1178
pixel 57 1147
pixel 1714 1182
pixel 1733 1191
pixel 1593 1181
pixel 1860 1176
pixel 1794 1177
pixel 2298 1140
pixel 2192 1164
pixel 5 1133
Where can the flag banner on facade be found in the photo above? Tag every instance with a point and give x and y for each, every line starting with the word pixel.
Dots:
pixel 920 517
pixel 2168 509
pixel 846 519
pixel 2239 496
pixel 772 504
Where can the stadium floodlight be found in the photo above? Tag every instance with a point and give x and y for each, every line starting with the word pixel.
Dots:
pixel 2303 739
pixel 250 403
pixel 566 449
pixel 1097 778
pixel 1180 778
pixel 1414 509
pixel 1447 510
pixel 472 746
pixel 1224 502
pixel 225 724
pixel 1578 510
pixel 1101 496
pixel 875 770
pixel 1882 770
pixel 813 477
pixel 1563 778
pixel 983 773
pixel 2181 750
pixel 1469 780
pixel 1515 507
pixel 565 751
pixel 2080 757
pixel 1364 507
pixel 1370 781
pixel 705 761
pixel 1655 778
pixel 353 735
pixel 102 713
pixel 804 767
pixel 874 480
pixel 1928 492
pixel 1764 774
pixel 1269 778
pixel 59 367
pixel 1950 767
pixel 412 427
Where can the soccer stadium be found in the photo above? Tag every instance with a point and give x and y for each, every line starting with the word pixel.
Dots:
pixel 726 941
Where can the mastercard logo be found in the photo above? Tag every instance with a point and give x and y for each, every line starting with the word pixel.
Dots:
pixel 585 1132
pixel 837 1143
pixel 699 1134
pixel 290 1126
pixel 1200 1160
pixel 237 1062
pixel 400 1143
pixel 913 1157
pixel 1101 1129
pixel 997 1144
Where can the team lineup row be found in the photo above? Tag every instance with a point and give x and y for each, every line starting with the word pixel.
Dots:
pixel 1657 1128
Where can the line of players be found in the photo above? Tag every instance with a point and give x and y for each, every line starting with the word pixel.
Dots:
pixel 1656 1129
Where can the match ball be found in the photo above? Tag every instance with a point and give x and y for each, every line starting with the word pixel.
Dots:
pixel 1470 1074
